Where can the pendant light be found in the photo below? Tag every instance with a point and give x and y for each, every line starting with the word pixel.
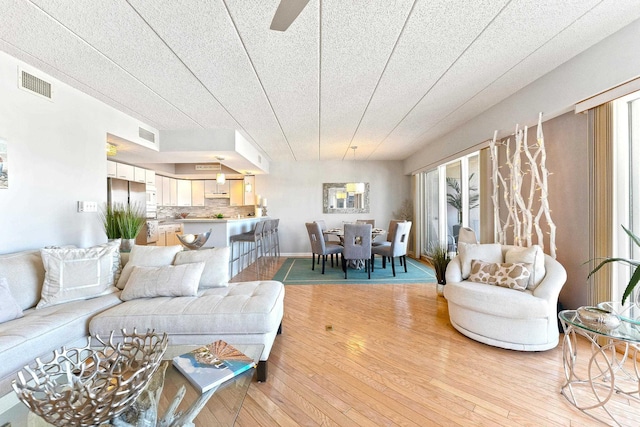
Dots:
pixel 220 178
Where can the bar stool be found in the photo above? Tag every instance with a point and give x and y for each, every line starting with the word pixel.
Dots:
pixel 251 238
pixel 276 237
pixel 266 236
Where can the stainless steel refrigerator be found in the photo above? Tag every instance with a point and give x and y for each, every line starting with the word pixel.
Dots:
pixel 120 191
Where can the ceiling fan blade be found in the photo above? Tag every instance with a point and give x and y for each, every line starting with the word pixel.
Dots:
pixel 287 12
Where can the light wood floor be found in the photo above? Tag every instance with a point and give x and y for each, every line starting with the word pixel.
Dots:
pixel 391 358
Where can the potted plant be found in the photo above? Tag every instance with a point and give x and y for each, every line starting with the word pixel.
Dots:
pixel 110 222
pixel 439 258
pixel 635 277
pixel 123 222
pixel 454 199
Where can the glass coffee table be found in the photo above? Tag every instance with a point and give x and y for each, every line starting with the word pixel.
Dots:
pixel 221 408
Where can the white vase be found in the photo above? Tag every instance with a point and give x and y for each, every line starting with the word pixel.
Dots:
pixel 440 289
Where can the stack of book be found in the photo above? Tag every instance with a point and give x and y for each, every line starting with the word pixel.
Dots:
pixel 213 364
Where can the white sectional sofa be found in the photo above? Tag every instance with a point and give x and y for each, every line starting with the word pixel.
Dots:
pixel 240 313
pixel 511 318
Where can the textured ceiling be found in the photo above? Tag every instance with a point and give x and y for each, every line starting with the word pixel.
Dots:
pixel 390 76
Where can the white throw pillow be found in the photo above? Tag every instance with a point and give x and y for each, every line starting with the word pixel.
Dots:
pixel 165 281
pixel 216 268
pixel 147 256
pixel 507 275
pixel 9 307
pixel 487 252
pixel 75 274
pixel 532 255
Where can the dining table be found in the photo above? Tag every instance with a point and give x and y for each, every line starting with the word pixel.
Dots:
pixel 357 264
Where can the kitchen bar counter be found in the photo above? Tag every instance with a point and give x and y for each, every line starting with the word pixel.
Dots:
pixel 221 228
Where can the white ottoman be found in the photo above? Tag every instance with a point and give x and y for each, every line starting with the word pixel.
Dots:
pixel 243 313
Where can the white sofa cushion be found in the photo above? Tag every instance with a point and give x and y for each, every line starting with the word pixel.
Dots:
pixel 147 256
pixel 216 269
pixel 497 301
pixel 25 274
pixel 9 307
pixel 241 308
pixel 532 255
pixel 74 274
pixel 508 275
pixel 487 252
pixel 41 331
pixel 165 281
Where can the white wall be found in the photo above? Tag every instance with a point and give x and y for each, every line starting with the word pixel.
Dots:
pixel 294 195
pixel 56 154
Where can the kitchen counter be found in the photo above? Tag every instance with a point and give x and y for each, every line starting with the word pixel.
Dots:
pixel 221 229
pixel 229 219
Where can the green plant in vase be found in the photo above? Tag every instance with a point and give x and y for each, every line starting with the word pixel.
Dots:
pixel 130 221
pixel 635 276
pixel 108 215
pixel 439 258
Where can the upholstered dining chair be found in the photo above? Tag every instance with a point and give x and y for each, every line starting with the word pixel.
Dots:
pixel 357 246
pixel 366 221
pixel 390 233
pixel 319 246
pixel 327 237
pixel 397 248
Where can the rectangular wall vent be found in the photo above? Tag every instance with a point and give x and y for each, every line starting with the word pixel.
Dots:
pixel 259 159
pixel 209 167
pixel 34 84
pixel 146 134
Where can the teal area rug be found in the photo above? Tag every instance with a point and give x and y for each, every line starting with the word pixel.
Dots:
pixel 297 271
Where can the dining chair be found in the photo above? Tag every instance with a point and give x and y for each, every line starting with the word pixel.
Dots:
pixel 327 237
pixel 397 248
pixel 319 246
pixel 390 233
pixel 366 221
pixel 357 246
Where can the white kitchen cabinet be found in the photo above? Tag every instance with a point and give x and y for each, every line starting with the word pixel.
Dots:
pixel 139 175
pixel 159 189
pixel 249 184
pixel 150 177
pixel 197 192
pixel 184 192
pixel 236 192
pixel 169 191
pixel 124 171
pixel 112 169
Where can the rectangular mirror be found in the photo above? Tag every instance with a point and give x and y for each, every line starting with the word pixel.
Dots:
pixel 345 197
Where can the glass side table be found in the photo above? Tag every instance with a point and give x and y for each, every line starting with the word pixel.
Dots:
pixel 605 383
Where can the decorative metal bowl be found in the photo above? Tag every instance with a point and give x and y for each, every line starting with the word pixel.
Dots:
pixel 195 242
pixel 90 385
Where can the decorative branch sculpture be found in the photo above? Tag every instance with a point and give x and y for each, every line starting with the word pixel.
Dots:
pixel 520 217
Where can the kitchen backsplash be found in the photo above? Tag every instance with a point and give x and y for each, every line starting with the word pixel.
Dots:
pixel 212 208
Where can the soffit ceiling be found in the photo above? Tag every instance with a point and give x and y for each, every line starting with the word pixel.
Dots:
pixel 388 76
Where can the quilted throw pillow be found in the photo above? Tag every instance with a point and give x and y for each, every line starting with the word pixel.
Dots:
pixel 512 275
pixel 76 273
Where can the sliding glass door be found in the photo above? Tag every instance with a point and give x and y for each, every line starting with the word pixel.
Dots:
pixel 450 201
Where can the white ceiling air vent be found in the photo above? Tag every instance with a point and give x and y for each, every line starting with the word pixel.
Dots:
pixel 35 85
pixel 147 135
pixel 209 167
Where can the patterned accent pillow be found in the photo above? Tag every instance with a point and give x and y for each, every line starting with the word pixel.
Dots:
pixel 513 275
